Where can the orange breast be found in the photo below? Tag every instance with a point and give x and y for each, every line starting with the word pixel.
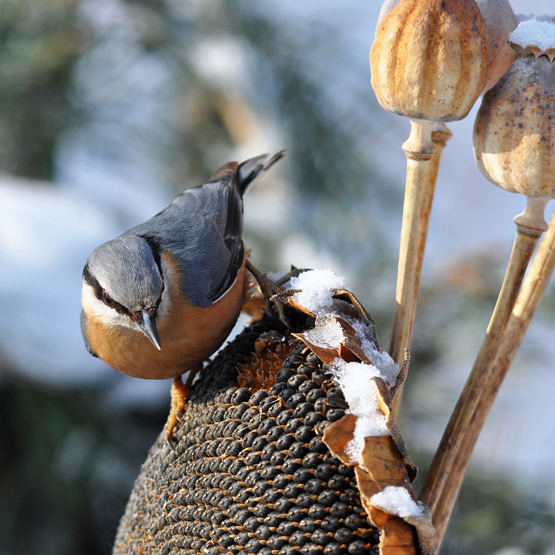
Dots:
pixel 188 334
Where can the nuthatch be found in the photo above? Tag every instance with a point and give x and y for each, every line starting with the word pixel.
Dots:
pixel 162 297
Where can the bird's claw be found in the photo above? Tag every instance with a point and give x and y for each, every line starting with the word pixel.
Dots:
pixel 274 294
pixel 293 272
pixel 267 286
pixel 180 392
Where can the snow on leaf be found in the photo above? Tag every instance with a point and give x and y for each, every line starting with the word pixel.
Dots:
pixel 367 437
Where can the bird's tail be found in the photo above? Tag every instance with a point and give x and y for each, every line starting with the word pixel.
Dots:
pixel 250 170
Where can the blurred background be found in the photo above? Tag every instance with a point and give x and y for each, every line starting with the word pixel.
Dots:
pixel 109 108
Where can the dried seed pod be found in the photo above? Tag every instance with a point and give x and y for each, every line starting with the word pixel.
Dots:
pixel 250 473
pixel 428 63
pixel 513 142
pixel 386 6
pixel 514 136
pixel 500 23
pixel 429 59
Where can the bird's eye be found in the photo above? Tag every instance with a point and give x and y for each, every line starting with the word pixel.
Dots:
pixel 107 300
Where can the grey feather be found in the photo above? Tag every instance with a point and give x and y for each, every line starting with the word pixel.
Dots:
pixel 202 229
pixel 128 269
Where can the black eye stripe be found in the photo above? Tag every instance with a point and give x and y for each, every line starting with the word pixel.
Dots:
pixel 99 293
pixel 93 282
pixel 118 308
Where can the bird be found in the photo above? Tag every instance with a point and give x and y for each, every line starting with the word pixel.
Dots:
pixel 161 298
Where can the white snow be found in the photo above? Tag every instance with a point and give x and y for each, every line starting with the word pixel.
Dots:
pixel 533 32
pixel 328 336
pixel 316 286
pixel 360 395
pixel 354 378
pixel 45 236
pixel 381 360
pixel 315 294
pixel 396 500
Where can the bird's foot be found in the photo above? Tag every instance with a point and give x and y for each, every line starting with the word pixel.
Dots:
pixel 268 287
pixel 180 393
pixel 293 272
pixel 275 296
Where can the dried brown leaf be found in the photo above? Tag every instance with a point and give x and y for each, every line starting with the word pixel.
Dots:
pixel 397 538
pixel 350 348
pixel 384 460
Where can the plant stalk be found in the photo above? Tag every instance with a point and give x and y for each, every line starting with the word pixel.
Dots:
pixel 418 149
pixel 527 303
pixel 446 473
pixel 440 135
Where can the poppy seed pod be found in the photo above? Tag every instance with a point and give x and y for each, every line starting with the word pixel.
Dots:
pixel 429 59
pixel 500 23
pixel 514 135
pixel 513 146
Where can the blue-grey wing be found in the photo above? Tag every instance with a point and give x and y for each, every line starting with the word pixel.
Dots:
pixel 88 345
pixel 202 229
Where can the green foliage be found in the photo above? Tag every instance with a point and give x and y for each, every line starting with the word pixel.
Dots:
pixel 68 460
pixel 39 43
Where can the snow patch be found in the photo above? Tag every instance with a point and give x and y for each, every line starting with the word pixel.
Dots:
pixel 354 378
pixel 329 336
pixel 396 500
pixel 534 32
pixel 316 286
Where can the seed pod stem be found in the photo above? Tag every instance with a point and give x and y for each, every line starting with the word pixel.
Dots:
pixel 419 149
pixel 446 473
pixel 440 135
pixel 528 300
pixel 428 63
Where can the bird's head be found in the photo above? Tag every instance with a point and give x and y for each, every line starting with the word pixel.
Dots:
pixel 123 285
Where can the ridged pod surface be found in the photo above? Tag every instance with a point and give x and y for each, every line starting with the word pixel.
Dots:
pixel 514 133
pixel 429 59
pixel 500 23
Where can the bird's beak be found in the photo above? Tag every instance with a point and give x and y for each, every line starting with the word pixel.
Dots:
pixel 148 327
